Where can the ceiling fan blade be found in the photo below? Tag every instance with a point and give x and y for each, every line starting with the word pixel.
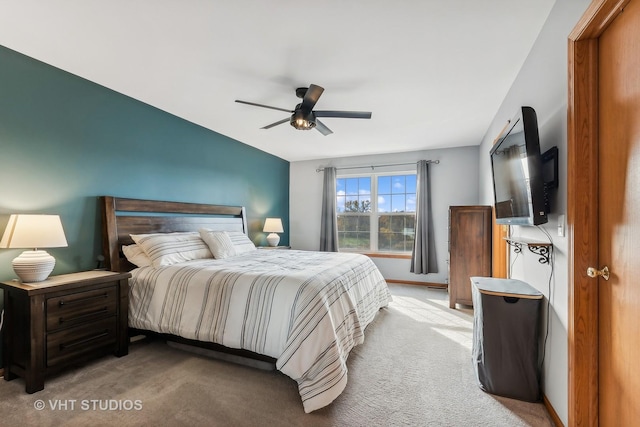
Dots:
pixel 344 114
pixel 279 122
pixel 322 128
pixel 263 106
pixel 311 97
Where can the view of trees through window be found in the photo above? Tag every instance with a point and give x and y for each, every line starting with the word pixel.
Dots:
pixel 376 212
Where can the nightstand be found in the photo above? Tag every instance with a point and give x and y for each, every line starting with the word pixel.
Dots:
pixel 62 321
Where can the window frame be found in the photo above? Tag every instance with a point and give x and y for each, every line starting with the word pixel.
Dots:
pixel 374 214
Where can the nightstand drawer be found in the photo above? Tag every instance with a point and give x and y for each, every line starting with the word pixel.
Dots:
pixel 68 344
pixel 80 307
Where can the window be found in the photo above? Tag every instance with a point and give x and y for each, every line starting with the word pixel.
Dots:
pixel 376 212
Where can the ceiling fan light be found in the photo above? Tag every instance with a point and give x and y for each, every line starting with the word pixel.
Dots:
pixel 301 121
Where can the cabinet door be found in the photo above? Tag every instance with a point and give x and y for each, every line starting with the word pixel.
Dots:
pixel 470 250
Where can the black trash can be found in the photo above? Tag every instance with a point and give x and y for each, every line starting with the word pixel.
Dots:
pixel 506 337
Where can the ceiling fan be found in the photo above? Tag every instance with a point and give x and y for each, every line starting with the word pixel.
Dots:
pixel 303 117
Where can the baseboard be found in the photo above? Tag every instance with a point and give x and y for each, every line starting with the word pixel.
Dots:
pixel 552 412
pixel 409 282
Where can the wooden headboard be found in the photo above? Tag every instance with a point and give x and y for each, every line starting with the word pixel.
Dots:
pixel 122 217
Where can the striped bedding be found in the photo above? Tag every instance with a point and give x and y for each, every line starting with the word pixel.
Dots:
pixel 305 309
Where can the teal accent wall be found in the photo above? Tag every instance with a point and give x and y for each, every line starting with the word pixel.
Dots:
pixel 64 141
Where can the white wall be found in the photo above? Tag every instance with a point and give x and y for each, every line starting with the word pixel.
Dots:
pixel 453 182
pixel 542 84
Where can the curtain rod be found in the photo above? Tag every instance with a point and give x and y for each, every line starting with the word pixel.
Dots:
pixel 380 166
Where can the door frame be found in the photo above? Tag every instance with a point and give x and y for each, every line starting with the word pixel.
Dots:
pixel 582 207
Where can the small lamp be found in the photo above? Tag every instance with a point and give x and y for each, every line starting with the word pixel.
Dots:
pixel 273 226
pixel 33 231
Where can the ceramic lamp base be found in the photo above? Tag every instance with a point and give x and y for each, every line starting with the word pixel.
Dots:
pixel 33 266
pixel 273 239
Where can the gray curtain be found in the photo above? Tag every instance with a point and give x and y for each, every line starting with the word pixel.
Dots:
pixel 423 255
pixel 329 224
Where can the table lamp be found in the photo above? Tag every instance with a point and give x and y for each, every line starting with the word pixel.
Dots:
pixel 273 226
pixel 33 231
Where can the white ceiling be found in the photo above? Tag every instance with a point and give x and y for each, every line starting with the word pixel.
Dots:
pixel 433 72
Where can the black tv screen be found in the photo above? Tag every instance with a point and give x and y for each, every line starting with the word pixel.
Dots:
pixel 516 164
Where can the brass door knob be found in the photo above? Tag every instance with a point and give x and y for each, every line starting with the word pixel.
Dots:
pixel 592 272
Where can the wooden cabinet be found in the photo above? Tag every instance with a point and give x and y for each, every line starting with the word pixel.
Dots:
pixel 469 249
pixel 62 321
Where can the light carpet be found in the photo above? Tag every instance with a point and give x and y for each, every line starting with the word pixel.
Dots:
pixel 414 369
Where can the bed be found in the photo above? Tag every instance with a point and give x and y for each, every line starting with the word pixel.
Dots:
pixel 302 310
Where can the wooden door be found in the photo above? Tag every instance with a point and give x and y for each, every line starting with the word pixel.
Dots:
pixel 619 219
pixel 500 254
pixel 602 200
pixel 469 250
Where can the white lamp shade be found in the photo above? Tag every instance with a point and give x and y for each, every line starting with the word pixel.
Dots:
pixel 273 225
pixel 33 231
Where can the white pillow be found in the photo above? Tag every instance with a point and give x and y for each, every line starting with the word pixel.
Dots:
pixel 169 248
pixel 219 243
pixel 241 242
pixel 136 256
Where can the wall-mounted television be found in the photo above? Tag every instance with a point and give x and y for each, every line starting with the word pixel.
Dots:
pixel 516 164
